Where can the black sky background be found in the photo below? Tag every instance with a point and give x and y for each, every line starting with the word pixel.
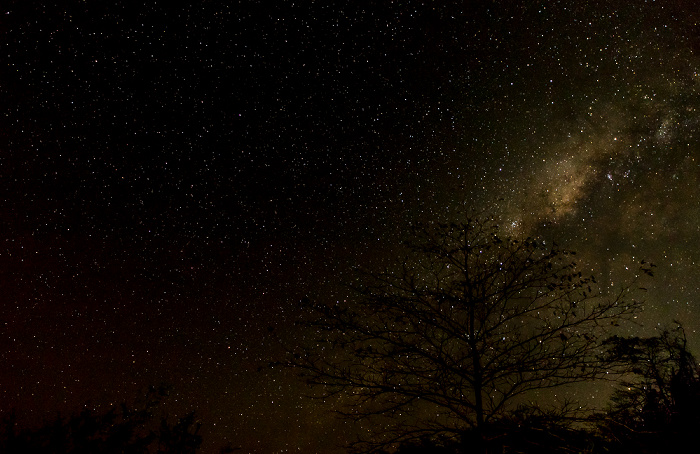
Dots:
pixel 175 178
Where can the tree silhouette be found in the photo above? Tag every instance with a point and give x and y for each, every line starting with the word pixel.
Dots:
pixel 524 431
pixel 454 337
pixel 656 408
pixel 124 429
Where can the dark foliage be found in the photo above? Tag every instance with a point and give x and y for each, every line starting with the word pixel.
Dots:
pixel 119 430
pixel 657 407
pixel 526 430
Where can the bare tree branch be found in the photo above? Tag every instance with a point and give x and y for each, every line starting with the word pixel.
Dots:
pixel 468 324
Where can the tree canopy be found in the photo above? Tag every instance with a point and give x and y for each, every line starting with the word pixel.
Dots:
pixel 655 408
pixel 123 429
pixel 459 333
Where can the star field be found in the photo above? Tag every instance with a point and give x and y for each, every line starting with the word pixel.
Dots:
pixel 175 179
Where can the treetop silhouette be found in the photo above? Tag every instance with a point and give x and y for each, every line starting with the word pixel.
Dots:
pixel 459 333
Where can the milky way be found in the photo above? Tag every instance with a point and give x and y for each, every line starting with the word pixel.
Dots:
pixel 176 179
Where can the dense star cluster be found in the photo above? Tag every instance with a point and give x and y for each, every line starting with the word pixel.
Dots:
pixel 176 179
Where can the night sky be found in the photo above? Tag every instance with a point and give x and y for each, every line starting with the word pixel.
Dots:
pixel 174 179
